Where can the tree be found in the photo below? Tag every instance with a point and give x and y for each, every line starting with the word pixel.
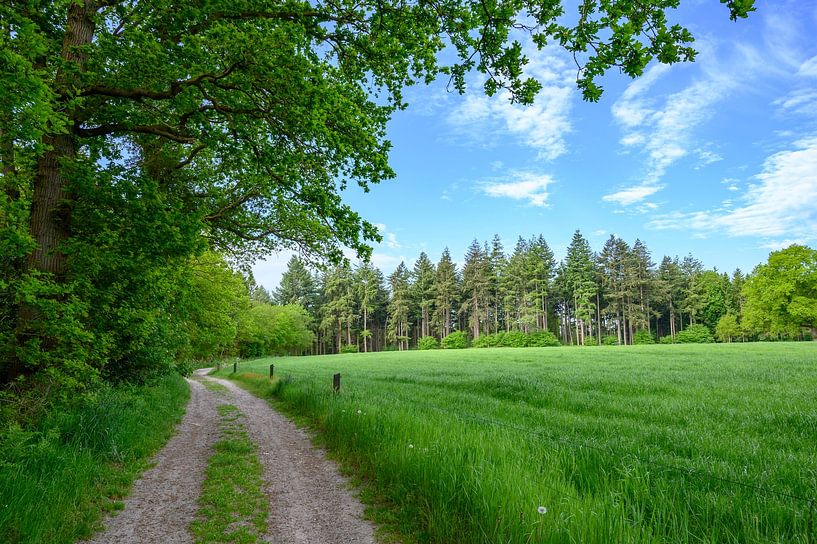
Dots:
pixel 727 328
pixel 781 295
pixel 297 286
pixel 446 294
pixel 368 282
pixel 580 283
pixel 422 290
pixel 399 307
pixel 245 121
pixel 476 283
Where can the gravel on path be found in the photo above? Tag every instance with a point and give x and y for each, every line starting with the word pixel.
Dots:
pixel 310 501
pixel 163 500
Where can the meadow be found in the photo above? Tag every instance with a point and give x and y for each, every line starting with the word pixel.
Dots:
pixel 675 444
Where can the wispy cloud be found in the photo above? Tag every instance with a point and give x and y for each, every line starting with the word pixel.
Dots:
pixel 663 128
pixel 631 195
pixel 389 238
pixel 541 126
pixel 808 68
pixel 779 207
pixel 527 186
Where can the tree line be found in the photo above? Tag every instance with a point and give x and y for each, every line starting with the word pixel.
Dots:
pixel 617 295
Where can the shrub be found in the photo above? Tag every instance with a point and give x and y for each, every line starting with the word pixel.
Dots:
pixel 515 339
pixel 428 342
pixel 542 339
pixel 349 348
pixel 643 337
pixel 484 341
pixel 590 341
pixel 666 340
pixel 609 340
pixel 695 334
pixel 455 340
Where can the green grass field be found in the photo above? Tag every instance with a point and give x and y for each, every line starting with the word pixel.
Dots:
pixel 699 443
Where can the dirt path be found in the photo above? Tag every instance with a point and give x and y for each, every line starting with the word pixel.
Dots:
pixel 163 500
pixel 310 502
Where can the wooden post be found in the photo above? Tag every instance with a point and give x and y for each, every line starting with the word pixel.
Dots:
pixel 336 383
pixel 235 367
pixel 271 370
pixel 218 367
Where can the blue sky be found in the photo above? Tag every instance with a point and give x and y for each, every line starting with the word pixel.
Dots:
pixel 717 158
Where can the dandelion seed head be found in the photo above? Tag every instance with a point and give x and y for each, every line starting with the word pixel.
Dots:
pixel 542 510
pixel 411 445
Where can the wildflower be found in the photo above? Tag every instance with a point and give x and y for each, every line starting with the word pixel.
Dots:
pixel 360 412
pixel 411 446
pixel 542 510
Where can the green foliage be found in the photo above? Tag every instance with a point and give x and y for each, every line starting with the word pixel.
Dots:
pixel 695 334
pixel 349 348
pixel 666 340
pixel 727 328
pixel 609 340
pixel 643 337
pixel 781 296
pixel 59 475
pixel 428 342
pixel 274 330
pixel 541 339
pixel 455 340
pixel 459 443
pixel 590 341
pixel 516 339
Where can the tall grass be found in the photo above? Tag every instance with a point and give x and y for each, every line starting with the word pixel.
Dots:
pixel 58 479
pixel 675 444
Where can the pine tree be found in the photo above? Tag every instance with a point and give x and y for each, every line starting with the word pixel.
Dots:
pixel 368 282
pixel 399 307
pixel 476 287
pixel 498 264
pixel 581 283
pixel 423 292
pixel 297 286
pixel 446 294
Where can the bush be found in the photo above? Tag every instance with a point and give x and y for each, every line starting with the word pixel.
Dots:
pixel 609 340
pixel 349 348
pixel 455 340
pixel 485 341
pixel 543 339
pixel 428 342
pixel 515 339
pixel 590 341
pixel 695 334
pixel 666 340
pixel 643 337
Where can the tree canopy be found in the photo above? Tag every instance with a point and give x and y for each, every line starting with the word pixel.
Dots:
pixel 135 135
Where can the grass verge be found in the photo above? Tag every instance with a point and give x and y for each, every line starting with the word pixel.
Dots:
pixel 233 506
pixel 58 479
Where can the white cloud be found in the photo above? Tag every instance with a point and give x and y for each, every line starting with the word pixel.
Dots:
pixel 631 195
pixel 775 245
pixel 389 238
pixel 663 129
pixel 782 204
pixel 808 68
pixel 799 102
pixel 541 126
pixel 527 186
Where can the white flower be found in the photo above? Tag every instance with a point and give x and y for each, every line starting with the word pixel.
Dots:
pixel 542 510
pixel 411 445
pixel 360 412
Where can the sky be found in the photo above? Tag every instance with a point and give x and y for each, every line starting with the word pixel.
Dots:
pixel 717 158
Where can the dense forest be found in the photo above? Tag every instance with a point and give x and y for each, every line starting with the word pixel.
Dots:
pixel 617 295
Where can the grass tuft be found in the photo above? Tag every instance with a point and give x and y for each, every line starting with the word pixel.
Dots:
pixel 59 478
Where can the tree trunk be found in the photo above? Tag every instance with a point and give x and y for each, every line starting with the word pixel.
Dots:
pixel 50 218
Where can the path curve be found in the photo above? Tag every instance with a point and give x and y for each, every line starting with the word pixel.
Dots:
pixel 310 501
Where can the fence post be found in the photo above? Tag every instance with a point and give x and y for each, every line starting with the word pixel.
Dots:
pixel 336 383
pixel 235 367
pixel 271 370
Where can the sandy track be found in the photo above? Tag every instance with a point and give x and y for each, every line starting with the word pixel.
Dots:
pixel 310 502
pixel 163 501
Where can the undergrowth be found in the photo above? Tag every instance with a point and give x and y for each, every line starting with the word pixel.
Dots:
pixel 61 474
